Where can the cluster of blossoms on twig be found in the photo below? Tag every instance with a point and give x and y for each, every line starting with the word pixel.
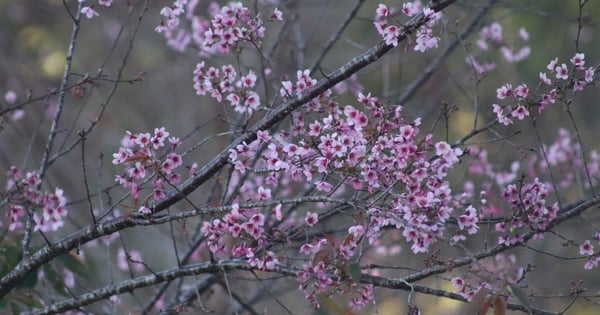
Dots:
pixel 493 273
pixel 527 201
pixel 563 157
pixel 24 196
pixel 390 32
pixel 491 38
pixel 522 102
pixel 528 204
pixel 89 10
pixel 140 152
pixel 229 25
pixel 238 92
pixel 343 149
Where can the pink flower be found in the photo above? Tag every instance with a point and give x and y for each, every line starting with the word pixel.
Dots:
pixel 264 193
pixel 591 263
pixel 390 35
pixel 356 230
pixel 270 260
pixel 504 91
pixel 458 283
pixel 578 60
pixel 143 139
pixel 522 90
pixel 589 74
pixel 562 72
pixel 552 65
pixel 382 11
pixel 411 8
pixel 277 15
pixel 544 78
pixel 586 248
pixel 121 156
pixel 144 210
pixel 425 39
pixel 276 212
pixel 523 34
pixel 578 85
pixel 89 12
pixel 248 80
pixel 520 112
pixel 324 186
pixel 311 218
pixel 10 97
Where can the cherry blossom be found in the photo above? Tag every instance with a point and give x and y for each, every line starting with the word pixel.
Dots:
pixel 89 12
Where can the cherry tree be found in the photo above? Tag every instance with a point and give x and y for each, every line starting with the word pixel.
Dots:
pixel 301 156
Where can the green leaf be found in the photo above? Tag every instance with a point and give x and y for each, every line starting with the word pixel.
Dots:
pixel 15 308
pixel 355 271
pixel 55 280
pixel 10 255
pixel 520 295
pixel 29 281
pixel 27 299
pixel 4 301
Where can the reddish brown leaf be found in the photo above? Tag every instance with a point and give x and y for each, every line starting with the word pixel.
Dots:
pixel 329 238
pixel 348 239
pixel 478 301
pixel 322 255
pixel 486 306
pixel 499 306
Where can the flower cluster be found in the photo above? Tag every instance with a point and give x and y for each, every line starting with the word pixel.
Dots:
pixel 522 103
pixel 517 108
pixel 247 226
pixel 365 148
pixel 491 38
pixel 238 92
pixel 387 156
pixel 527 201
pixel 303 82
pixel 24 196
pixel 587 249
pixel 90 12
pixel 139 153
pixel 228 26
pixel 564 158
pixel 233 24
pixel 579 76
pixel 316 282
pixel 391 31
pixel 528 204
pixel 494 274
pixel 332 271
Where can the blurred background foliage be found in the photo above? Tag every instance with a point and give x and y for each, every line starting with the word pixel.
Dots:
pixel 34 35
